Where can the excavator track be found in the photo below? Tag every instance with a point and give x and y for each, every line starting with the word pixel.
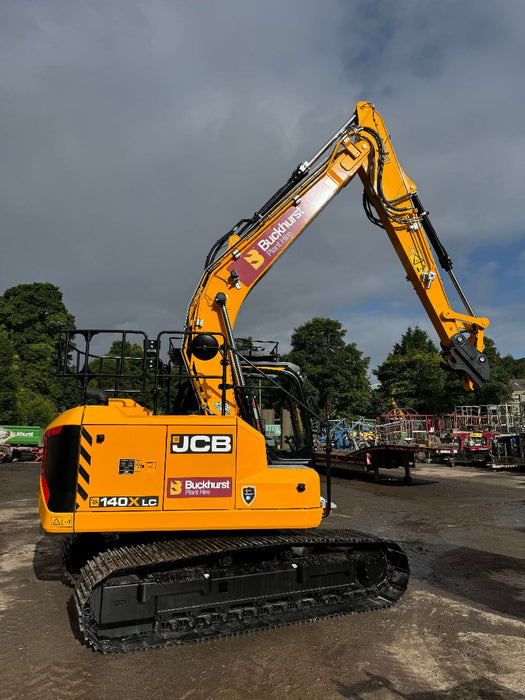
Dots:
pixel 195 588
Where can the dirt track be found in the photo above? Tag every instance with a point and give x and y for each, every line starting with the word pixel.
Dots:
pixel 459 632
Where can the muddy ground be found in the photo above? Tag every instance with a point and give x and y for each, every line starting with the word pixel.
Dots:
pixel 459 631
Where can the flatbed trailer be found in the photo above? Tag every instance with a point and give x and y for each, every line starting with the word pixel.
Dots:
pixel 372 458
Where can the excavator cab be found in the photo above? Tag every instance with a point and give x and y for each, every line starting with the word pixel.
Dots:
pixel 285 417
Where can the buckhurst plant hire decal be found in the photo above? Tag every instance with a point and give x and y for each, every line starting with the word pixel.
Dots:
pixel 199 487
pixel 284 230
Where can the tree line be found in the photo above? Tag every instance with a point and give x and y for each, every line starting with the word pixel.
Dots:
pixel 337 372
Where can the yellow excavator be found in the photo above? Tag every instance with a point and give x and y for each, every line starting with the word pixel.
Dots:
pixel 186 522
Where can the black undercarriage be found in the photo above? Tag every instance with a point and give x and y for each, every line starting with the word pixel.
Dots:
pixel 192 588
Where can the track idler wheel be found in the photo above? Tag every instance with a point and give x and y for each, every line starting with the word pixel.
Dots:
pixel 371 568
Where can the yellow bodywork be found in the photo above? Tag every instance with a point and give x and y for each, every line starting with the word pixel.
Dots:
pixel 131 478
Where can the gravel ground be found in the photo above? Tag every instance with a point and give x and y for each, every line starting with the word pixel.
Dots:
pixel 459 631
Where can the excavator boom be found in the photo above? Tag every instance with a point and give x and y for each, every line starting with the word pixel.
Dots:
pixel 361 147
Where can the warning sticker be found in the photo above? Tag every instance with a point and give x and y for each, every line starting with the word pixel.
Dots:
pixel 126 466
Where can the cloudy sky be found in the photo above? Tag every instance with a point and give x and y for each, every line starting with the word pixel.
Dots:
pixel 134 133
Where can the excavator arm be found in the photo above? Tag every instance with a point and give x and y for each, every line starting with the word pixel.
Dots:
pixel 241 258
pixel 398 209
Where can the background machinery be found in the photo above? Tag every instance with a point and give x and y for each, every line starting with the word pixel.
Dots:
pixel 189 524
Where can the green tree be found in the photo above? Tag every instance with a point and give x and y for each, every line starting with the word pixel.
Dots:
pixel 34 408
pixel 411 375
pixel 9 380
pixel 514 367
pixel 336 371
pixel 33 315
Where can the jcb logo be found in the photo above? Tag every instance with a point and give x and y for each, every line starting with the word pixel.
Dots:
pixel 254 258
pixel 201 444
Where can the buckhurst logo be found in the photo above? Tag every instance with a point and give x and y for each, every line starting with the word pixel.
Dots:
pixel 277 231
pixel 254 258
pixel 199 487
pixel 201 444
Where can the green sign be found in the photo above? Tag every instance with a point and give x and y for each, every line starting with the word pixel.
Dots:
pixel 21 435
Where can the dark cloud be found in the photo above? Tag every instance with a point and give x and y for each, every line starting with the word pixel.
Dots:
pixel 135 133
